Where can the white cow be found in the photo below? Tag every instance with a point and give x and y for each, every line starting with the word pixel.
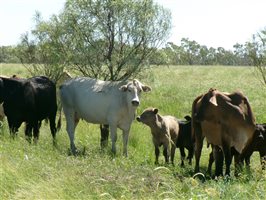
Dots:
pixel 101 102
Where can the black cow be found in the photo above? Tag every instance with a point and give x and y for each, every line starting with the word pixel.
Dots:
pixel 184 139
pixel 29 100
pixel 258 143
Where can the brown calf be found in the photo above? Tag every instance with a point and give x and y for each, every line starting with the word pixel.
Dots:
pixel 164 130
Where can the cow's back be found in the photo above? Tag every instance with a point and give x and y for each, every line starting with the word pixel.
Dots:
pixel 231 120
pixel 91 99
pixel 173 125
pixel 44 96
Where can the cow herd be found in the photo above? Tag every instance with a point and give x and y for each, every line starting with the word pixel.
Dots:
pixel 225 119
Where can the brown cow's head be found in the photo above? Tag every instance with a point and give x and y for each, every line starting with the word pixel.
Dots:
pixel 148 116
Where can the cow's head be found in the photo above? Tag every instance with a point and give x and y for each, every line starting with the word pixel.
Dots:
pixel 148 116
pixel 260 132
pixel 134 90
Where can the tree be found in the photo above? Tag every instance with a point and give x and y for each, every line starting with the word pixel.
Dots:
pixel 106 39
pixel 257 51
pixel 7 54
pixel 42 52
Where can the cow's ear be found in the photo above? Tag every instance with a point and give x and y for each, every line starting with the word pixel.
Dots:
pixel 213 100
pixel 146 88
pixel 155 111
pixel 123 88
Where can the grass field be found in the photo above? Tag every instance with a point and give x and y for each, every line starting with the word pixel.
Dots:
pixel 45 172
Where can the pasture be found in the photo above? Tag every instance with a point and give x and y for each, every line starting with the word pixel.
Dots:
pixel 41 171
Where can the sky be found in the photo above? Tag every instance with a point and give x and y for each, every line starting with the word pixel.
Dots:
pixel 214 23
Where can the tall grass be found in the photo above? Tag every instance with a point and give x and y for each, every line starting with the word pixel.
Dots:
pixel 42 171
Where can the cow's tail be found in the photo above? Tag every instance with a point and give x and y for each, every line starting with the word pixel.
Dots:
pixel 59 124
pixel 194 116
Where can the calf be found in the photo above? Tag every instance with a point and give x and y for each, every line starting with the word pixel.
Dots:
pixel 164 130
pixel 258 143
pixel 184 139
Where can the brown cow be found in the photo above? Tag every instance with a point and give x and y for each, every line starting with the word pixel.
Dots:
pixel 164 130
pixel 226 120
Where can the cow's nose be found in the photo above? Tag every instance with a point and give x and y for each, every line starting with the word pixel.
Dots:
pixel 261 136
pixel 135 103
pixel 138 118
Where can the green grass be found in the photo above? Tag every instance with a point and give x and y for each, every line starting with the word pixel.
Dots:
pixel 45 172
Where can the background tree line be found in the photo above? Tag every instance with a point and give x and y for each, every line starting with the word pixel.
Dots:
pixel 115 40
pixel 188 53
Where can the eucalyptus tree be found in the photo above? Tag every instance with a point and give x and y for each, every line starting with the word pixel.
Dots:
pixel 106 39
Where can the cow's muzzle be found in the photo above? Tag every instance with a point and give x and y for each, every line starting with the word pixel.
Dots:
pixel 138 119
pixel 135 103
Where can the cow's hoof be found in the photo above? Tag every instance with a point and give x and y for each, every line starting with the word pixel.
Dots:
pixel 74 152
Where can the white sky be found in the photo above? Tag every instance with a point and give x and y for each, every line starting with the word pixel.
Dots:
pixel 215 23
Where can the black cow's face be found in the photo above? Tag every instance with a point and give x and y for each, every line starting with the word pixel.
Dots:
pixel 260 132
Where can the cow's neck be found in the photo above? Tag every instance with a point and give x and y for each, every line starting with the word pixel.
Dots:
pixel 157 124
pixel 131 112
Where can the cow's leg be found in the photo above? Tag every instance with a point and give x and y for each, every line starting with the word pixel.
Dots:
pixel 36 131
pixel 71 124
pixel 211 160
pixel 227 157
pixel 157 153
pixel 104 135
pixel 198 149
pixel 219 160
pixel 13 126
pixel 125 141
pixel 113 130
pixel 190 155
pixel 263 159
pixel 28 131
pixel 172 153
pixel 238 163
pixel 166 153
pixel 247 162
pixel 183 155
pixel 53 126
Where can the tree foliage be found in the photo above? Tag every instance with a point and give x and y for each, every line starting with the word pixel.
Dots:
pixel 189 52
pixel 257 51
pixel 108 39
